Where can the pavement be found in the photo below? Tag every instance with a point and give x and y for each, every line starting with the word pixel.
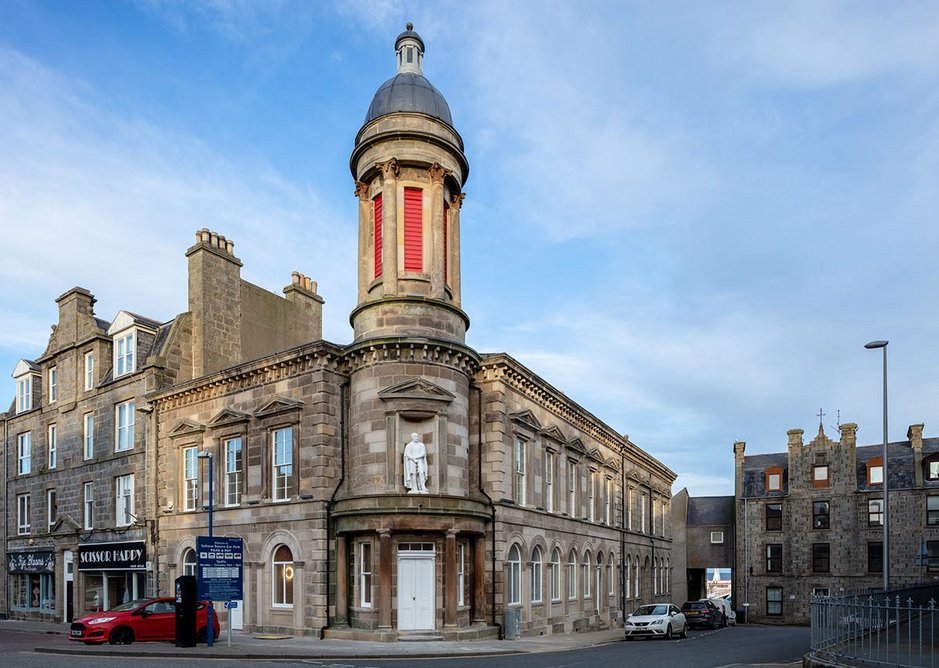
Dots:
pixel 257 647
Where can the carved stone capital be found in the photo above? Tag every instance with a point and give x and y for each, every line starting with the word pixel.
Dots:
pixel 361 190
pixel 437 173
pixel 389 168
pixel 456 202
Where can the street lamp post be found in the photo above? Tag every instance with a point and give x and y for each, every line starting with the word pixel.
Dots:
pixel 871 346
pixel 210 627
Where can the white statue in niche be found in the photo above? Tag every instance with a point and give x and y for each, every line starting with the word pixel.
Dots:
pixel 415 466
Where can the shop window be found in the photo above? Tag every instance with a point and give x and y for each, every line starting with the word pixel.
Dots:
pixel 821 518
pixel 774 558
pixel 32 592
pixel 773 477
pixel 515 576
pixel 821 558
pixel 774 517
pixel 283 577
pixel 774 601
pixel 536 575
pixel 875 471
pixel 875 557
pixel 820 475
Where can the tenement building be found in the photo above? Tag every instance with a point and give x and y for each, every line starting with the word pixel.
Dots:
pixel 810 520
pixel 402 483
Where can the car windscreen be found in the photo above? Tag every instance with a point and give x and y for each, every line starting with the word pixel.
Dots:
pixel 651 610
pixel 128 606
pixel 695 605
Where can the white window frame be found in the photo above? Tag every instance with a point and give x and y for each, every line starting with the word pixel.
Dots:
pixel 24 453
pixel 586 569
pixel 555 575
pixel 880 474
pixel 88 435
pixel 549 481
pixel 592 496
pixel 572 488
pixel 628 571
pixel 610 574
pixel 288 580
pixel 281 464
pixel 23 526
pixel 365 574
pixel 514 576
pixel 88 503
pixel 124 500
pixel 124 352
pixel 124 426
pixel 51 500
pixel 190 478
pixel 636 581
pixel 519 468
pixel 717 538
pixel 571 575
pixel 537 575
pixel 234 470
pixel 24 393
pixel 90 370
pixel 460 574
pixel 190 562
pixel 643 502
pixel 52 446
pixel 53 384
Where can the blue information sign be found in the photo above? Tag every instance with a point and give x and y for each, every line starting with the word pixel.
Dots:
pixel 220 572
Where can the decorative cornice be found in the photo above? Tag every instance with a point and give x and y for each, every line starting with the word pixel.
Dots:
pixel 412 349
pixel 503 368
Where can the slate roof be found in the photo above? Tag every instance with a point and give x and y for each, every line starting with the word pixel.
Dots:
pixel 711 510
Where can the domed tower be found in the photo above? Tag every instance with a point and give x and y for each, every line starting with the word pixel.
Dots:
pixel 409 512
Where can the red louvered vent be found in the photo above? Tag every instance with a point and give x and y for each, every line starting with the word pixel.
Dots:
pixel 377 207
pixel 413 229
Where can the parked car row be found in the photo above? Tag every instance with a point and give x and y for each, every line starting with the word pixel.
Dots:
pixel 666 620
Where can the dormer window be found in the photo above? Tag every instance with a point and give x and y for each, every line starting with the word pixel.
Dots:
pixel 931 467
pixel 774 479
pixel 124 353
pixel 24 375
pixel 875 471
pixel 820 475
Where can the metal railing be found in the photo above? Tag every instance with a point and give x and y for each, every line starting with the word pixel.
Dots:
pixel 876 628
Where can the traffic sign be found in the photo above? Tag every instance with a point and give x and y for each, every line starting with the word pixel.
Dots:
pixel 220 572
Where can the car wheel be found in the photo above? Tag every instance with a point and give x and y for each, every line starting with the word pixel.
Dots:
pixel 121 636
pixel 668 632
pixel 202 636
pixel 629 637
pixel 684 631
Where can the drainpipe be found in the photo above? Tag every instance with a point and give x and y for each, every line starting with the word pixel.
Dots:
pixel 343 389
pixel 492 506
pixel 6 504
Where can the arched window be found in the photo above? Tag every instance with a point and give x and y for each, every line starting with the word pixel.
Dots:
pixel 555 575
pixel 586 575
pixel 628 573
pixel 515 576
pixel 610 575
pixel 666 579
pixel 655 577
pixel 189 562
pixel 283 577
pixel 636 588
pixel 536 575
pixel 572 575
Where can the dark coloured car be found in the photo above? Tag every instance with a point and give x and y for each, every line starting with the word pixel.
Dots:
pixel 145 619
pixel 702 613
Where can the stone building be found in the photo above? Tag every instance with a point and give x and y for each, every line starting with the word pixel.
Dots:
pixel 810 520
pixel 401 483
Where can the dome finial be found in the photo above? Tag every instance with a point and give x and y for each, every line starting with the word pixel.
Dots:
pixel 409 26
pixel 409 48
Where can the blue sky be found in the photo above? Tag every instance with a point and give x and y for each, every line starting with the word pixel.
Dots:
pixel 689 217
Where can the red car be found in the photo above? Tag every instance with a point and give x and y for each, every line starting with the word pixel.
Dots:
pixel 145 619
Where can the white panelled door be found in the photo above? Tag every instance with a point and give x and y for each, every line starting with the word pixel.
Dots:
pixel 415 592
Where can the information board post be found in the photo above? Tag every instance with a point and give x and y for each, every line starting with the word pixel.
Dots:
pixel 221 573
pixel 210 627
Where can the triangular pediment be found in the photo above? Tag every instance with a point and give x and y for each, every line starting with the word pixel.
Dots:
pixel 526 419
pixel 66 524
pixel 185 427
pixel 419 389
pixel 24 367
pixel 228 416
pixel 554 433
pixel 577 445
pixel 278 405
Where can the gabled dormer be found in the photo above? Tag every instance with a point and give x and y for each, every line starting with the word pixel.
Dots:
pixel 26 379
pixel 125 333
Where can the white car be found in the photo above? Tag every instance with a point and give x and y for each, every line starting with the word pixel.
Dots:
pixel 661 620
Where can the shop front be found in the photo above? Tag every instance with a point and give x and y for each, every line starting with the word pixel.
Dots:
pixel 112 573
pixel 32 581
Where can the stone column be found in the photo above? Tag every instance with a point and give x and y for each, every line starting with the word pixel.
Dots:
pixel 342 581
pixel 450 580
pixel 299 594
pixel 384 579
pixel 479 580
pixel 361 191
pixel 455 204
pixel 437 278
pixel 389 224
